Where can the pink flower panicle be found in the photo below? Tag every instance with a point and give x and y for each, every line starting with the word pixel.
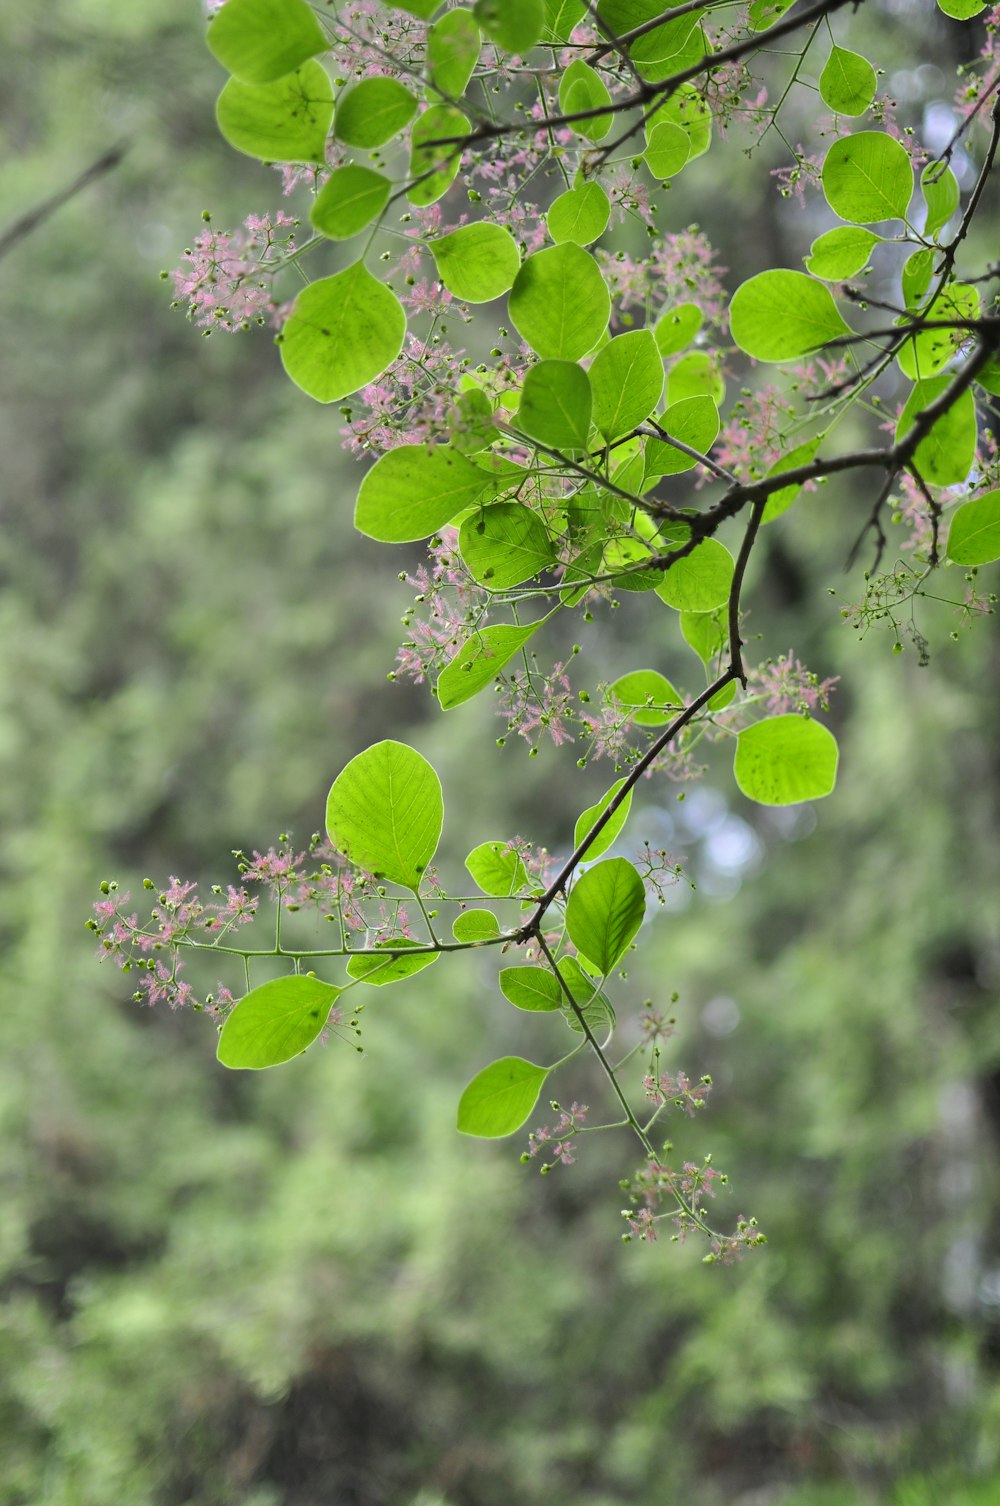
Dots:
pixel 677 1089
pixel 538 706
pixel 787 685
pixel 556 1140
pixel 225 277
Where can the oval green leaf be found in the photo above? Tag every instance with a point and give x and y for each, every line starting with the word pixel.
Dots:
pixel 342 332
pixel 276 1022
pixel 498 870
pixel 385 811
pixel 373 112
pixel 841 253
pixel 699 582
pixel 848 82
pixel 580 215
pixel 479 661
pixel 582 88
pixel 786 759
pixel 626 379
pixel 475 926
pixel 505 544
pixel 974 535
pixel 414 490
pixel 611 829
pixel 868 178
pixel 780 315
pixel 677 328
pixel 533 988
pixel 434 168
pixel 287 121
pixel 556 405
pixel 476 262
pixel 695 422
pixel 604 911
pixel 646 694
pixel 348 201
pixel 560 302
pixel 259 41
pixel 500 1098
pixel 453 46
pixel 945 456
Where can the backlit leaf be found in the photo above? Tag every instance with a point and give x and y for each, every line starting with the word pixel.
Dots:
pixel 414 490
pixel 385 811
pixel 500 1098
pixel 974 535
pixel 556 405
pixel 342 332
pixel 349 200
pixel 626 379
pixel 276 1022
pixel 476 262
pixel 560 303
pixel 780 315
pixel 371 967
pixel 505 544
pixel 605 910
pixel 868 177
pixel 287 121
pixel 580 214
pixel 436 153
pixel 498 869
pixel 478 662
pixel 260 41
pixel 848 82
pixel 373 112
pixel 785 759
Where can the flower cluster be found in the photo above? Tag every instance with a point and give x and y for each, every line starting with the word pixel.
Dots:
pixel 677 1089
pixel 225 276
pixel 556 1140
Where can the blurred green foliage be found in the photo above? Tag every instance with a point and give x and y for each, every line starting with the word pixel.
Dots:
pixel 305 1288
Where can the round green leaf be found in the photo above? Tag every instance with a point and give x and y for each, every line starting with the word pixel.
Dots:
pixel 645 692
pixel 974 535
pixel 478 662
pixel 453 46
pixel 260 41
pixel 604 910
pixel 276 1022
pixel 580 215
pixel 694 421
pixel 556 405
pixel 666 49
pixel 677 328
pixel 930 350
pixel 686 108
pixel 287 121
pixel 780 315
pixel 342 332
pixel 699 582
pixel 962 10
pixel 941 195
pixel 348 201
pixel 561 19
pixel 373 112
pixel 500 1098
pixel 381 966
pixel 476 262
pixel 612 828
pixel 626 379
pixel 475 926
pixel 533 988
pixel 582 88
pixel 414 490
pixel 841 253
pixel 868 177
pixel 695 374
pixel 514 25
pixel 434 168
pixel 668 147
pixel 385 811
pixel 945 456
pixel 786 759
pixel 848 82
pixel 705 632
pixel 498 869
pixel 505 544
pixel 560 302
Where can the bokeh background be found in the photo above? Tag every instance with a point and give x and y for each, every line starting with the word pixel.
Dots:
pixel 302 1288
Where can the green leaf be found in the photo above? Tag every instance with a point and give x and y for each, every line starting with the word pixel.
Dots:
pixel 841 253
pixel 560 302
pixel 534 988
pixel 705 632
pixel 962 10
pixel 479 661
pixel 694 421
pixel 422 9
pixel 645 692
pixel 500 1098
pixel 373 112
pixel 287 121
pixel 514 25
pixel 561 19
pixel 694 375
pixel 989 377
pixel 945 456
pixel 677 328
pixel 592 1003
pixel 275 1022
pixel 687 109
pixel 498 870
pixel 764 13
pixel 779 502
pixel 610 832
pixel 668 147
pixel 918 269
pixel 625 553
pixel 342 332
pixel 868 177
pixel 930 350
pixel 348 201
pixel 556 404
pixel 477 262
pixel 505 544
pixel 453 46
pixel 974 535
pixel 786 759
pixel 580 214
pixel 667 49
pixel 780 315
pixel 941 195
pixel 848 82
pixel 582 88
pixel 370 967
pixel 699 582
pixel 385 811
pixel 434 169
pixel 259 41
pixel 475 926
pixel 626 378
pixel 414 490
pixel 604 910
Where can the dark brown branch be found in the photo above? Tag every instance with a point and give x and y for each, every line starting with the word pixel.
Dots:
pixel 29 222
